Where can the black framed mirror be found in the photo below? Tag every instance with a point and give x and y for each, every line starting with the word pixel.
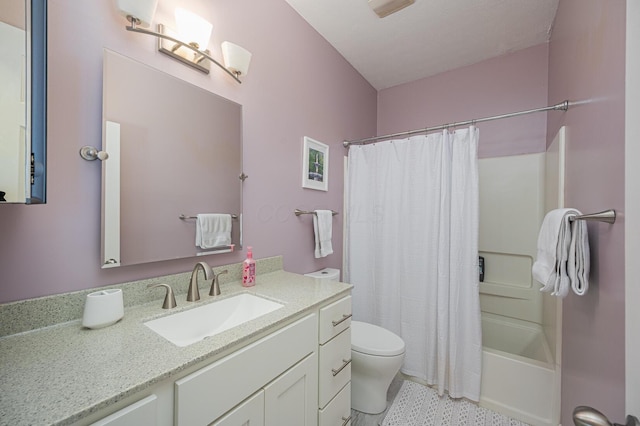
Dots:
pixel 23 81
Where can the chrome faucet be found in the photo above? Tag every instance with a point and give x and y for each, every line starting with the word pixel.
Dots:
pixel 215 284
pixel 193 294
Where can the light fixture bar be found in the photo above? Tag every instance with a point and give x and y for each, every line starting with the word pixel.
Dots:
pixel 134 27
pixel 196 63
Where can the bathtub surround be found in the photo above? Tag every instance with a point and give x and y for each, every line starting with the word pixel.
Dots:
pixel 513 190
pixel 412 249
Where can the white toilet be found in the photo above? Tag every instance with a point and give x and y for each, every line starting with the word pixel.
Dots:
pixel 376 357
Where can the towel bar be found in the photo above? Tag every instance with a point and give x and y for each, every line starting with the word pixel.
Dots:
pixel 608 216
pixel 298 212
pixel 184 217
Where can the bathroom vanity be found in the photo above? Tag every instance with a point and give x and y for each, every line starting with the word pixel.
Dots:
pixel 288 367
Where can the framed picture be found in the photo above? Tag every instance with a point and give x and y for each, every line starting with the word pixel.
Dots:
pixel 315 165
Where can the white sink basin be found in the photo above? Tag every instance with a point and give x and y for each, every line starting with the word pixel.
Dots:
pixel 188 327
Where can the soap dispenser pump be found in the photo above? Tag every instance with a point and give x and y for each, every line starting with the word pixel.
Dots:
pixel 249 269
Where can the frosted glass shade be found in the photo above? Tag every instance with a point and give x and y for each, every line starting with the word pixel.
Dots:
pixel 236 58
pixel 192 28
pixel 140 9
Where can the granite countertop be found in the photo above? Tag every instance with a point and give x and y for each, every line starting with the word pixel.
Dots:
pixel 62 373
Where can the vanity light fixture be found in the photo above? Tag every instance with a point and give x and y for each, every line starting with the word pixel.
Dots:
pixel 190 27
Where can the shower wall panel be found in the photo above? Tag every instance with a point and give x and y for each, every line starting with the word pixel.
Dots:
pixel 511 211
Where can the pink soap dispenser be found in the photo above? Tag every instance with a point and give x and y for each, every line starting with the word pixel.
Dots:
pixel 249 270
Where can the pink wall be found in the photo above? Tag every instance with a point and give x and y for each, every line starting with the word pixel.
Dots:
pixel 12 13
pixel 298 85
pixel 587 65
pixel 509 83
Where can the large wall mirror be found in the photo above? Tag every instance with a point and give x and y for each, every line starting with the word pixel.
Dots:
pixel 175 151
pixel 23 104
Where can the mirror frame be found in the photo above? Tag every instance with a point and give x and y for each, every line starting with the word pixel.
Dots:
pixel 37 110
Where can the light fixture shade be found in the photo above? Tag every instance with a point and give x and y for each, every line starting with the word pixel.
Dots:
pixel 192 28
pixel 236 58
pixel 386 7
pixel 141 9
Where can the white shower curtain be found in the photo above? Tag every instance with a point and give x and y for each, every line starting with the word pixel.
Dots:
pixel 412 252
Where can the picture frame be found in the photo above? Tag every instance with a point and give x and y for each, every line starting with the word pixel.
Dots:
pixel 315 165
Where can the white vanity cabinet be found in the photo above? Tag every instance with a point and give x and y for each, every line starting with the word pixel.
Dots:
pixel 206 395
pixel 334 365
pixel 298 375
pixel 288 400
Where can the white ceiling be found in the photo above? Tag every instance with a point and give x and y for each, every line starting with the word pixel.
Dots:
pixel 428 37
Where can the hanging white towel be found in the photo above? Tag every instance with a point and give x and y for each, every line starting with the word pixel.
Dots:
pixel 213 230
pixel 550 242
pixel 560 263
pixel 578 264
pixel 322 222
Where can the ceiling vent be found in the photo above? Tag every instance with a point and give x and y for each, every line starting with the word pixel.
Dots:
pixel 386 7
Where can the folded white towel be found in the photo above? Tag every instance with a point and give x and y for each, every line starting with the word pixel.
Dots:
pixel 553 251
pixel 578 264
pixel 213 230
pixel 322 222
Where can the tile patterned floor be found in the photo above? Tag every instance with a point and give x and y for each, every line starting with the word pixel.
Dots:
pixel 362 419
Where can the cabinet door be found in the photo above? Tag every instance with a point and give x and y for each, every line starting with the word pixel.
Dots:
pixel 248 413
pixel 208 393
pixel 292 398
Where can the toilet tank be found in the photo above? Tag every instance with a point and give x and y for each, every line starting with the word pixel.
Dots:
pixel 329 274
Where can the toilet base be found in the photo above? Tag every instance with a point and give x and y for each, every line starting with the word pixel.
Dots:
pixel 366 400
pixel 370 380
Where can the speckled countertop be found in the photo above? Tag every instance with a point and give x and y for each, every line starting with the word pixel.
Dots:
pixel 62 373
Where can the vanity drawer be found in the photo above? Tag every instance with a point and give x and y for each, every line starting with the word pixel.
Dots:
pixel 205 395
pixel 334 318
pixel 143 412
pixel 334 367
pixel 338 411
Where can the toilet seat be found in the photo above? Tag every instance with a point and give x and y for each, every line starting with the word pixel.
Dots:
pixel 373 340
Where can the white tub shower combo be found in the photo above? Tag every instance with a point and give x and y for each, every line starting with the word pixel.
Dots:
pixel 520 325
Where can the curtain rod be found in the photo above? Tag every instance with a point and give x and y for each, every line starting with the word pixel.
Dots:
pixel 562 106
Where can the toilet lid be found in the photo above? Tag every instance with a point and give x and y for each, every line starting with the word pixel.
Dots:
pixel 373 340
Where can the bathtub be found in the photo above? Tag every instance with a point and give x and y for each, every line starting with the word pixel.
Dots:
pixel 519 376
